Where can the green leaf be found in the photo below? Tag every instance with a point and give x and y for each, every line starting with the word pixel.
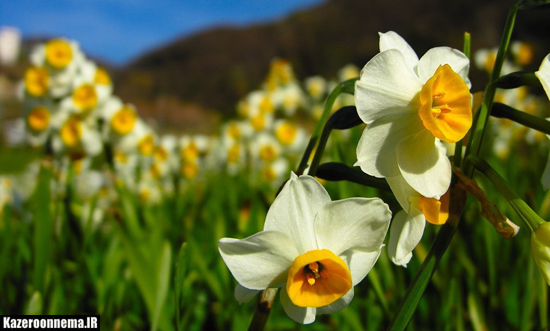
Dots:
pixel 409 303
pixel 163 282
pixel 182 265
pixel 531 121
pixel 16 160
pixel 334 171
pixel 43 227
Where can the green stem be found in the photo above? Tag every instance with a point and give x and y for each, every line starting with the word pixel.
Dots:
pixel 347 86
pixel 531 121
pixel 408 305
pixel 480 127
pixel 342 119
pixel 457 158
pixel 517 79
pixel 529 217
pixel 320 149
pixel 334 171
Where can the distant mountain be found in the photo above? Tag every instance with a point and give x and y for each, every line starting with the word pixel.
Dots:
pixel 217 67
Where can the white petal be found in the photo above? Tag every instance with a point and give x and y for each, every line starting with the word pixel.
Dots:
pixel 391 40
pixel 424 164
pixel 337 305
pixel 92 143
pixel 356 223
pixel 405 233
pixel 437 56
pixel 387 86
pixel 377 148
pixel 544 74
pixel 402 191
pixel 360 262
pixel 294 209
pixel 259 261
pixel 242 294
pixel 304 315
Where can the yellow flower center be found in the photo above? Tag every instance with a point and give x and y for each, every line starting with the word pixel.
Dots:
pixel 317 278
pixel 435 211
pixel 490 62
pixel 290 101
pixel 123 120
pixel 160 154
pixel 190 152
pixel 281 72
pixel 315 89
pixel 233 154
pixel 38 118
pixel 85 97
pixel 446 105
pixel 71 132
pixel 286 133
pixel 58 53
pixel 189 169
pixel 144 195
pixel 102 77
pixel 121 157
pixel 266 106
pixel 234 131
pixel 146 145
pixel 524 55
pixel 258 122
pixel 268 153
pixel 268 174
pixel 155 171
pixel 36 81
pixel 78 166
pixel 243 108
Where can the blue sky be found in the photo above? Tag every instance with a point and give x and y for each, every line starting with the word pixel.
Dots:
pixel 119 30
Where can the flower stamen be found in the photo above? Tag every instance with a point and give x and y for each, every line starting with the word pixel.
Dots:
pixel 318 278
pixel 446 109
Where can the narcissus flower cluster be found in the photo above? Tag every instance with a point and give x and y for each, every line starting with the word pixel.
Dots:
pixel 411 106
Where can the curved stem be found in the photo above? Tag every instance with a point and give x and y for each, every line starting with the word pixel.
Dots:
pixel 480 127
pixel 347 86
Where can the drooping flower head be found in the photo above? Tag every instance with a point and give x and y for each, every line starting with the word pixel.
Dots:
pixel 409 105
pixel 408 224
pixel 313 248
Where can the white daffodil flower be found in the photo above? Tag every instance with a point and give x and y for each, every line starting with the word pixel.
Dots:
pixel 408 225
pixel 274 172
pixel 543 74
pixel 540 247
pixel 409 105
pixel 316 87
pixel 293 138
pixel 91 88
pixel 348 71
pixel 264 148
pixel 77 139
pixel 316 250
pixel 62 59
pixel 40 115
pixel 289 98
